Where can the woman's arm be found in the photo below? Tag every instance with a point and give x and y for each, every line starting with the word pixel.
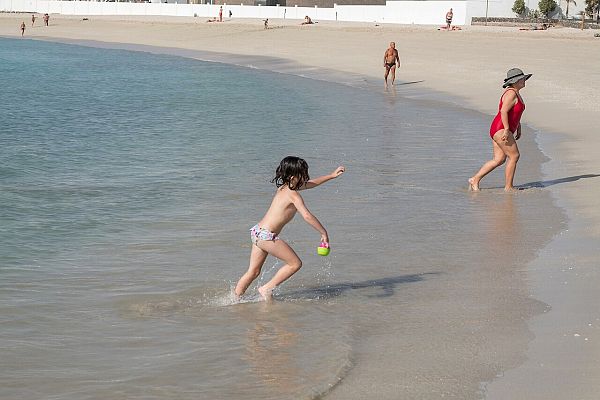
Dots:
pixel 508 102
pixel 322 179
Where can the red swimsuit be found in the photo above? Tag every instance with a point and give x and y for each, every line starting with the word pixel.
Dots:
pixel 514 116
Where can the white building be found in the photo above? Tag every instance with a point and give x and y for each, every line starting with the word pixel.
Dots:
pixel 426 12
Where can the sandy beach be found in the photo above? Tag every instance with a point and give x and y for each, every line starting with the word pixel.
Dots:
pixel 464 68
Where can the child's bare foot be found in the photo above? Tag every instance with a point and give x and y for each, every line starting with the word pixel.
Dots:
pixel 473 186
pixel 266 294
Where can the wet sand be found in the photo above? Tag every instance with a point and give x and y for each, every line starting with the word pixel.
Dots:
pixel 560 357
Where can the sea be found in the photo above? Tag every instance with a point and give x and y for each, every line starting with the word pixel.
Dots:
pixel 129 181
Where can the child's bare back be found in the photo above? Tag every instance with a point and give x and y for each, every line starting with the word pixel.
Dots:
pixel 291 176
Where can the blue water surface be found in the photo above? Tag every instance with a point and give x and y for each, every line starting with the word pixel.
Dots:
pixel 128 184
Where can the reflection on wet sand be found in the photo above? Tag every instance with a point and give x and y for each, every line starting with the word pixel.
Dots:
pixel 502 226
pixel 390 95
pixel 271 343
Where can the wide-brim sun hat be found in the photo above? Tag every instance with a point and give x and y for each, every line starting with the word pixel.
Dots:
pixel 514 75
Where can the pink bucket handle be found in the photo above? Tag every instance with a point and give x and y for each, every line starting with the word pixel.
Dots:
pixel 324 245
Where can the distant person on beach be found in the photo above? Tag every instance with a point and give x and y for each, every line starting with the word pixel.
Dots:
pixel 290 177
pixel 452 28
pixel 266 21
pixel 505 130
pixel 541 27
pixel 32 19
pixel 449 16
pixel 221 14
pixel 230 13
pixel 307 21
pixel 46 19
pixel 390 58
pixel 22 28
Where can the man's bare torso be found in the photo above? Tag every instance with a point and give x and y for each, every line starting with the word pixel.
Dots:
pixel 390 55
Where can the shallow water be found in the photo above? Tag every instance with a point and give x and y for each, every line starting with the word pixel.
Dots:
pixel 129 182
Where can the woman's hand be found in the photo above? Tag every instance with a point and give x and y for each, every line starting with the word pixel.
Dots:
pixel 518 135
pixel 325 239
pixel 504 136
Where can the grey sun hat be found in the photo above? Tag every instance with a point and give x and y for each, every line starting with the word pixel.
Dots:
pixel 514 75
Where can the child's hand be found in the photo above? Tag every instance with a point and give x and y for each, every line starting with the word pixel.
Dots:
pixel 338 171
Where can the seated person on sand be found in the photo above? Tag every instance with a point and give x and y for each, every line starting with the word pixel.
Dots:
pixel 452 28
pixel 542 27
pixel 307 21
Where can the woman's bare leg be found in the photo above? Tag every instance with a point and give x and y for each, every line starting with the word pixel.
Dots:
pixel 257 259
pixel 285 253
pixel 498 159
pixel 511 150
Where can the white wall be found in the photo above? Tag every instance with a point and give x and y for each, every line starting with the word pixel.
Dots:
pixel 398 12
pixel 495 8
pixel 426 12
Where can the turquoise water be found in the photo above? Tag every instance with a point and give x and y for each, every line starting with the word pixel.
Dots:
pixel 128 183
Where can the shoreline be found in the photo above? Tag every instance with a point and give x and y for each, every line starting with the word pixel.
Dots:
pixel 579 206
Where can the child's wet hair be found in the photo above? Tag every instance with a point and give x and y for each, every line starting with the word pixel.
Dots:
pixel 291 167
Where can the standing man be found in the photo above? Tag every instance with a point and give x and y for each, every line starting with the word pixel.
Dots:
pixel 390 58
pixel 221 14
pixel 46 19
pixel 23 28
pixel 32 19
pixel 449 16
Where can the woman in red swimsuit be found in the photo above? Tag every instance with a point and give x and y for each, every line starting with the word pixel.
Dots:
pixel 505 130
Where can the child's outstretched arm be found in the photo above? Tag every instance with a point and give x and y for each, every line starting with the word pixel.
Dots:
pixel 308 217
pixel 322 179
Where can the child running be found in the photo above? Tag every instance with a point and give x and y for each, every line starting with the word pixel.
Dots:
pixel 290 177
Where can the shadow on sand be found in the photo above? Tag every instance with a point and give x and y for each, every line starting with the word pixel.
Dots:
pixel 543 184
pixel 387 286
pixel 408 83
